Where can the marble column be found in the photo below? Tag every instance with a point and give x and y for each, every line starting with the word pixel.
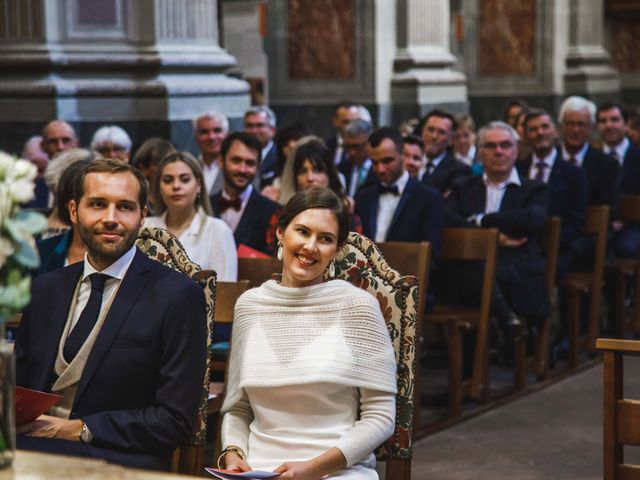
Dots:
pixel 588 64
pixel 423 67
pixel 148 65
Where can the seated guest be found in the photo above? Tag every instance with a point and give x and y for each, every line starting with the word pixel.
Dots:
pixel 68 247
pixel 524 149
pixel 442 168
pixel 261 122
pixel 633 127
pixel 148 156
pixel 512 110
pixel 517 207
pixel 413 155
pixel 356 168
pixel 464 143
pixel 52 176
pixel 311 165
pixel 120 337
pixel 345 112
pixel 567 183
pixel 33 152
pixel 112 142
pixel 399 208
pixel 333 402
pixel 58 136
pixel 209 130
pixel 247 212
pixel 611 117
pixel 183 208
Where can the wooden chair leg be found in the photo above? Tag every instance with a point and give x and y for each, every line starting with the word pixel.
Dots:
pixel 543 345
pixel 480 378
pixel 620 292
pixel 595 315
pixel 636 304
pixel 398 469
pixel 455 370
pixel 612 392
pixel 573 325
pixel 520 365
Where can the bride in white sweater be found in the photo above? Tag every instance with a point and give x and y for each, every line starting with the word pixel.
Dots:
pixel 312 374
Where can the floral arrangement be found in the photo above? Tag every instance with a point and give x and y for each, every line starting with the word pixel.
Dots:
pixel 18 253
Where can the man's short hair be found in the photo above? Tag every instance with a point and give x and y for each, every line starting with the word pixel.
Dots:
pixel 364 113
pixel 534 113
pixel 576 103
pixel 613 104
pixel 465 120
pixel 257 109
pixel 436 112
pixel 248 140
pixel 514 102
pixel 357 127
pixel 113 134
pixel 382 133
pixel 497 125
pixel 45 129
pixel 113 166
pixel 221 117
pixel 345 104
pixel 414 140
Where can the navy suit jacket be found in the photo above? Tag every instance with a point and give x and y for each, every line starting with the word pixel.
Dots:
pixel 446 173
pixel 630 172
pixel 522 213
pixel 568 187
pixel 419 215
pixel 268 166
pixel 142 383
pixel 255 220
pixel 602 177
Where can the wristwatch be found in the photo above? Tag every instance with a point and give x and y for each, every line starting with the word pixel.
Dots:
pixel 85 435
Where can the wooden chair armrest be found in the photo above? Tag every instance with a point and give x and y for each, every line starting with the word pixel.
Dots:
pixel 631 347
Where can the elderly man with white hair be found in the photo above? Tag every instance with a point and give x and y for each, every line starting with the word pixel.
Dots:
pixel 210 128
pixel 112 141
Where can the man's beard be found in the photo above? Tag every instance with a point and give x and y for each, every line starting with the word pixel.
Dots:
pixel 230 180
pixel 106 252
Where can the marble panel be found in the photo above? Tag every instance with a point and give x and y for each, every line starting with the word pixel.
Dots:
pixel 624 34
pixel 321 39
pixel 507 37
pixel 97 12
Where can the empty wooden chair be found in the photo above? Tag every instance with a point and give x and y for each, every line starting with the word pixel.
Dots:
pixel 162 246
pixel 587 283
pixel 620 420
pixel 361 263
pixel 258 270
pixel 479 244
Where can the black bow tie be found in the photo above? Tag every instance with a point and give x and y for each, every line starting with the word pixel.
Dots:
pixel 226 204
pixel 393 189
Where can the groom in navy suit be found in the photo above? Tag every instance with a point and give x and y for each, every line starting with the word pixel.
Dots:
pixel 119 336
pixel 399 208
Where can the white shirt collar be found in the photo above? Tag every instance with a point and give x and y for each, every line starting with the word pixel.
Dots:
pixel 244 196
pixel 579 155
pixel 549 160
pixel 514 179
pixel 266 149
pixel 620 149
pixel 401 182
pixel 117 269
pixel 436 161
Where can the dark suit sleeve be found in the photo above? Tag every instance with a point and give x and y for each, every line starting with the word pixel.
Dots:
pixel 453 215
pixel 433 221
pixel 168 421
pixel 577 210
pixel 524 221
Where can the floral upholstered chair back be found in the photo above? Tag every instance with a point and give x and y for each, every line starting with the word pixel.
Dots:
pixel 361 263
pixel 164 247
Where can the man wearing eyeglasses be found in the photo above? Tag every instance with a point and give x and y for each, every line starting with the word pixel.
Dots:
pixel 517 207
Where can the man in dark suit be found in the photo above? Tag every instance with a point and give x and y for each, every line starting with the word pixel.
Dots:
pixel 119 336
pixel 260 121
pixel 567 183
pixel 442 168
pixel 345 112
pixel 517 207
pixel 247 212
pixel 398 208
pixel 612 117
pixel 356 168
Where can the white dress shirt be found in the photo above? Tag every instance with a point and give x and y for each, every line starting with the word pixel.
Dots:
pixel 232 217
pixel 387 204
pixel 339 149
pixel 117 270
pixel 435 161
pixel 357 173
pixel 620 150
pixel 579 155
pixel 468 158
pixel 495 194
pixel 210 173
pixel 265 150
pixel 208 242
pixel 549 161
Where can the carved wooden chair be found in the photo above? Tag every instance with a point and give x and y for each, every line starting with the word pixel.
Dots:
pixel 587 283
pixel 258 270
pixel 620 420
pixel 476 244
pixel 410 258
pixel 361 263
pixel 162 246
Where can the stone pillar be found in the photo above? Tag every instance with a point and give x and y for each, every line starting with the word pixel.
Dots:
pixel 588 64
pixel 148 66
pixel 423 67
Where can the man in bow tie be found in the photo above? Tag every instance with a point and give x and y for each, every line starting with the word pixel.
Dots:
pixel 399 208
pixel 247 212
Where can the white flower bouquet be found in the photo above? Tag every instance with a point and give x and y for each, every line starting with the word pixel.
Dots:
pixel 18 253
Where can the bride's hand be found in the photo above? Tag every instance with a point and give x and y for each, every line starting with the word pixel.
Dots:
pixel 298 471
pixel 233 461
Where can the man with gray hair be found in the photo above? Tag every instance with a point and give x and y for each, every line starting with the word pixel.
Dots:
pixel 356 168
pixel 260 121
pixel 210 129
pixel 517 207
pixel 576 119
pixel 112 141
